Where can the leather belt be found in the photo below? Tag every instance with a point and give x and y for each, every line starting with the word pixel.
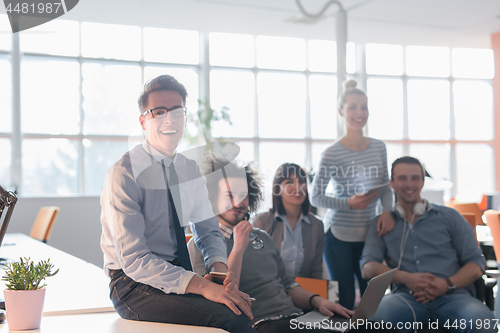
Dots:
pixel 112 272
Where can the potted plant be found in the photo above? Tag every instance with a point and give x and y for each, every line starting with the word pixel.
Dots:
pixel 204 118
pixel 25 292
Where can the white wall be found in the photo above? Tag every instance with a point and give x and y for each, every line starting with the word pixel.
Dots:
pixel 77 229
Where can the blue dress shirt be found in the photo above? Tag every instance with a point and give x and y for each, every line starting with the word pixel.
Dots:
pixel 440 242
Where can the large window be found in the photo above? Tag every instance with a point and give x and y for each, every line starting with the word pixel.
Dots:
pixel 78 92
pixel 5 38
pixel 5 103
pixel 436 104
pixel 80 83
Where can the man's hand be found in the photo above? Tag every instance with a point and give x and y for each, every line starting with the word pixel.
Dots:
pixel 425 286
pixel 229 282
pixel 429 289
pixel 361 201
pixel 385 223
pixel 417 281
pixel 235 299
pixel 240 234
pixel 235 258
pixel 328 308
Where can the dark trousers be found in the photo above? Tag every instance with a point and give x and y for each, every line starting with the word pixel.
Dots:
pixel 137 301
pixel 342 261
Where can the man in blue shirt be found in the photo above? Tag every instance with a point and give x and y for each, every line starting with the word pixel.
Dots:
pixel 438 266
pixel 149 195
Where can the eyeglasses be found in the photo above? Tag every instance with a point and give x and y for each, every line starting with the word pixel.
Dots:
pixel 256 241
pixel 161 112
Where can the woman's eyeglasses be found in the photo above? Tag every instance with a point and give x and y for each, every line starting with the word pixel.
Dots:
pixel 256 241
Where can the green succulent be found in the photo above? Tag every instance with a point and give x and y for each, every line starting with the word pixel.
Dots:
pixel 26 275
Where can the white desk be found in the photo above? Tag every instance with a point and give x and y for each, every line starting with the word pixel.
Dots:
pixel 483 233
pixel 79 287
pixel 108 323
pixel 77 298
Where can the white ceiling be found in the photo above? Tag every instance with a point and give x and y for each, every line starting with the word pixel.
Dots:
pixel 466 23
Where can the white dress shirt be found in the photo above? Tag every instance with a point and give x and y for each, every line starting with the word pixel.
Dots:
pixel 292 247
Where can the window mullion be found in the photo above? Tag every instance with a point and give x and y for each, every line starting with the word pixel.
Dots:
pixel 256 106
pixel 406 136
pixel 204 74
pixel 81 152
pixel 16 115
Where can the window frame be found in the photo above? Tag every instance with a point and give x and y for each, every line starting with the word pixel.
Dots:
pixel 203 70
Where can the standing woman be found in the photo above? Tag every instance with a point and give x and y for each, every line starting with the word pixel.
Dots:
pixel 353 164
pixel 297 233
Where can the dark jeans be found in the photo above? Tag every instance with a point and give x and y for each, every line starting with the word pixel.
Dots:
pixel 342 261
pixel 459 313
pixel 137 301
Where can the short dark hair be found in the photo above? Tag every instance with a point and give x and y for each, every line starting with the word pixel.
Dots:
pixel 232 170
pixel 284 172
pixel 407 160
pixel 159 83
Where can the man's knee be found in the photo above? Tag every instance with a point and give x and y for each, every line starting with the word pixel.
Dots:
pixel 395 308
pixel 464 313
pixel 479 317
pixel 234 323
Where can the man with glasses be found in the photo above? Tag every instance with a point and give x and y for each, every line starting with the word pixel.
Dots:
pixel 149 196
pixel 235 193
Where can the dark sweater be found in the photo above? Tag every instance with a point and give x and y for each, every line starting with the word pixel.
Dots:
pixel 262 277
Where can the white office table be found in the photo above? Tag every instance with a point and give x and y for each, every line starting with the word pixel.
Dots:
pixel 77 298
pixel 79 287
pixel 107 323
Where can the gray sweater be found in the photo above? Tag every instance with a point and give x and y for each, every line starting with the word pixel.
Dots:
pixel 351 172
pixel 262 277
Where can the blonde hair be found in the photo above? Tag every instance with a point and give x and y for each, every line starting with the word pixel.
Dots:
pixel 349 88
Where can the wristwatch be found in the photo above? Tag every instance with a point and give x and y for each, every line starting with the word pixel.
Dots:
pixel 451 286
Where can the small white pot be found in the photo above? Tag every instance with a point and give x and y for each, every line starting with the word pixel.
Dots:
pixel 24 308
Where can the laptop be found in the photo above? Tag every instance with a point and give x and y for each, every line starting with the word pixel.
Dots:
pixel 366 308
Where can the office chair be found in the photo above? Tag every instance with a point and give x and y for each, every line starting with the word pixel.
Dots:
pixel 484 285
pixel 493 222
pixel 470 208
pixel 44 222
pixel 471 218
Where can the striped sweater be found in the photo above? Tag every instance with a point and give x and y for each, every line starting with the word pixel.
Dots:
pixel 351 172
